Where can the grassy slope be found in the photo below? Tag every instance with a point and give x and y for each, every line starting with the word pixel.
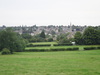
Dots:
pixel 51 63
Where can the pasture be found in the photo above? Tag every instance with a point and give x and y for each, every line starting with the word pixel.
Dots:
pixel 44 43
pixel 51 63
pixel 53 47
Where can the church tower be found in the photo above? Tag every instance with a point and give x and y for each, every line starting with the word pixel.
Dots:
pixel 70 31
pixel 70 27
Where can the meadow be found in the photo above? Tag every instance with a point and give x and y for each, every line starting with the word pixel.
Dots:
pixel 45 43
pixel 51 63
pixel 53 47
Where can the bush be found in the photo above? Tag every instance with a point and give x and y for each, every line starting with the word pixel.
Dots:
pixel 73 49
pixel 98 47
pixel 89 48
pixel 52 49
pixel 36 50
pixel 58 49
pixel 50 40
pixel 30 45
pixel 69 49
pixel 5 51
pixel 39 45
pixel 63 44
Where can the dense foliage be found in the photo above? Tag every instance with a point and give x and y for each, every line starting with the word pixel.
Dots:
pixel 53 49
pixel 62 39
pixel 39 45
pixel 78 38
pixel 42 34
pixel 90 48
pixel 90 36
pixel 5 51
pixel 11 40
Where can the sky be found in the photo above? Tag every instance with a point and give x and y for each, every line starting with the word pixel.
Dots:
pixel 49 12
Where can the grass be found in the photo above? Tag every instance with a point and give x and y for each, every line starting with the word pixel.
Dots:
pixel 51 63
pixel 80 47
pixel 44 43
pixel 44 47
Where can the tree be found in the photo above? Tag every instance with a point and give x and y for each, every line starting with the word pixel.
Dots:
pixel 62 38
pixel 78 38
pixel 50 39
pixel 98 37
pixel 20 43
pixel 42 34
pixel 53 32
pixel 91 36
pixel 37 38
pixel 11 41
pixel 64 41
pixel 26 36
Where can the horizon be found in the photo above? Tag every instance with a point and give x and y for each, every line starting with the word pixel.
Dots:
pixel 46 25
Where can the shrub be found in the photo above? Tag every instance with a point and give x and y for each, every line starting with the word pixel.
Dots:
pixel 63 44
pixel 69 49
pixel 58 49
pixel 89 48
pixel 30 45
pixel 50 40
pixel 98 47
pixel 73 49
pixel 52 49
pixel 36 50
pixel 5 51
pixel 39 45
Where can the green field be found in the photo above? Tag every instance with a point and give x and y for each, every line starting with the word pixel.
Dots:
pixel 51 63
pixel 80 47
pixel 51 47
pixel 44 43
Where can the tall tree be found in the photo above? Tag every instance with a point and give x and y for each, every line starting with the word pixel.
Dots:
pixel 78 38
pixel 62 38
pixel 90 36
pixel 42 34
pixel 11 41
pixel 97 36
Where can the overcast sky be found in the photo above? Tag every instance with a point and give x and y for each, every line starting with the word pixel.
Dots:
pixel 49 12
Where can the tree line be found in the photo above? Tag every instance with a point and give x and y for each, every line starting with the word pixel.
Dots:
pixel 91 36
pixel 12 41
pixel 16 42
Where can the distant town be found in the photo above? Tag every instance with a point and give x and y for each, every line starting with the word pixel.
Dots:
pixel 50 30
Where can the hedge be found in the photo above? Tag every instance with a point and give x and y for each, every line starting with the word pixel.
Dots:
pixel 98 47
pixel 90 48
pixel 73 49
pixel 39 45
pixel 52 49
pixel 62 44
pixel 36 50
pixel 58 49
